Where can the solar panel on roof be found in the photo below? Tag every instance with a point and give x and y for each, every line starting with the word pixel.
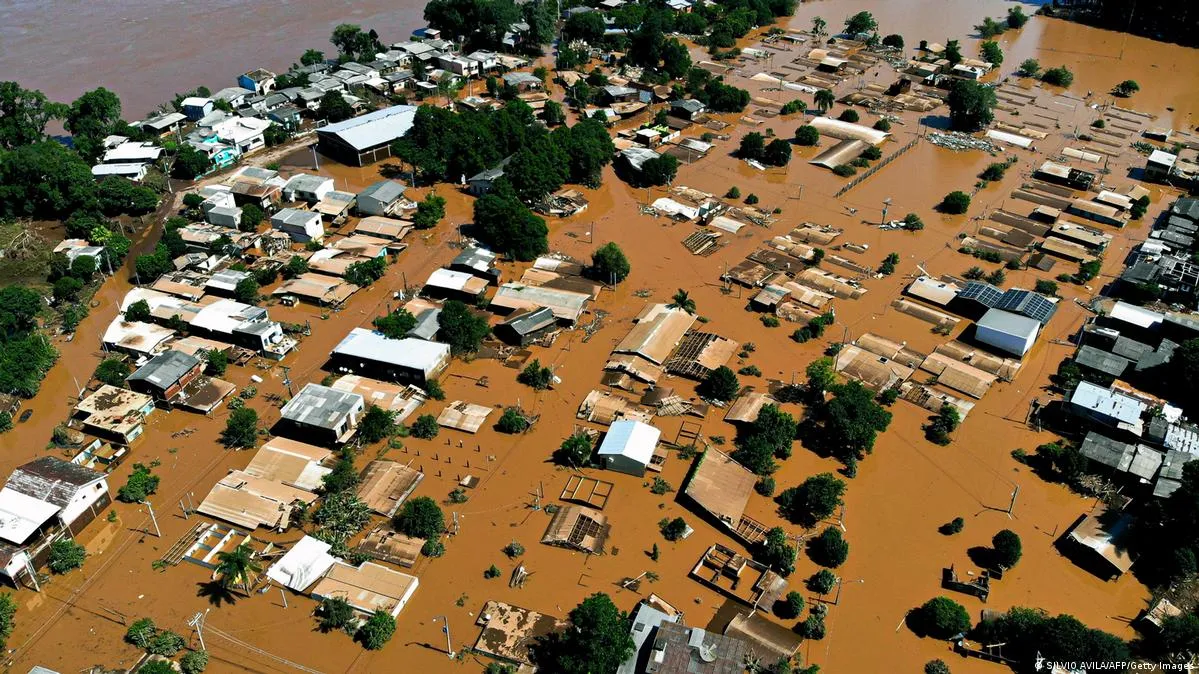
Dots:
pixel 983 293
pixel 1027 303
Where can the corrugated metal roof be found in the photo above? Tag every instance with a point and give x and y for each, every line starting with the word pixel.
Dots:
pixel 416 354
pixel 375 128
pixel 165 369
pixel 632 440
pixel 321 406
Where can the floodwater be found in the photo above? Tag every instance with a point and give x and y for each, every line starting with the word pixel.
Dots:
pixel 903 492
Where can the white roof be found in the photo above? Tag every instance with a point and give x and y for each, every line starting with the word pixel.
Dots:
pixel 1162 157
pixel 135 335
pixel 1010 138
pixel 1138 316
pixel 195 101
pixel 124 169
pixel 21 515
pixel 132 152
pixel 376 128
pixel 224 315
pixel 672 207
pixel 449 279
pixel 411 353
pixel 239 129
pixel 303 565
pixel 848 130
pixel 630 439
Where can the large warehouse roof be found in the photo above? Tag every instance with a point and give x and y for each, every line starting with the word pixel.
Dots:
pixel 375 128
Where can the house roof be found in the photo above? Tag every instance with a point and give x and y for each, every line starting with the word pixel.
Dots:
pixel 1027 303
pixel 294 217
pixel 251 502
pixel 165 369
pixel 577 527
pixel 321 406
pixel 1108 403
pixel 21 515
pixel 457 281
pixel 565 304
pixel 302 565
pixel 721 486
pixel 631 439
pixel 1009 323
pixel 528 322
pixel 385 191
pixel 689 104
pixel 692 650
pixel 292 463
pixel 416 354
pixel 369 587
pixel 983 293
pixel 658 331
pixel 646 620
pixel 385 485
pixel 375 128
pixel 1102 361
pixel 304 182
pixel 52 480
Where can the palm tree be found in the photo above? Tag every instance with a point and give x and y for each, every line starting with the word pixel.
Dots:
pixel 234 568
pixel 682 300
pixel 818 25
pixel 825 100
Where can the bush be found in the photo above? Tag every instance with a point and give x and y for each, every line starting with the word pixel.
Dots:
pixel 425 427
pixel 492 571
pixel 1059 76
pixel 672 529
pixel 458 495
pixel 420 517
pixel 1126 88
pixel 882 125
pixel 849 115
pixel 912 222
pixel 733 193
pixel 938 666
pixel 514 549
pixel 66 555
pixel 790 606
pixel 872 153
pixel 953 526
pixel 141 632
pixel 241 428
pixel 112 371
pixel 807 135
pixel 770 321
pixel 433 388
pixel 194 662
pixel 751 199
pixel 157 667
pixel 765 486
pixel 166 643
pixel 609 263
pixel 955 203
pixel 1030 68
pixel 140 484
pixel 720 384
pixel 1007 548
pixel 1046 287
pixel 377 630
pixel 432 548
pixel 813 500
pixel 512 421
pixel 822 582
pixel 659 486
pixel 536 376
pixel 575 451
pixel 750 371
pixel 844 170
pixel 941 618
pixel 829 548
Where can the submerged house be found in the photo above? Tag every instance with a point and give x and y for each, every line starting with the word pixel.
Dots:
pixel 629 447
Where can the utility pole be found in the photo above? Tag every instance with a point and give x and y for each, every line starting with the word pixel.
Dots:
pixel 886 205
pixel 449 649
pixel 1012 506
pixel 287 380
pixel 197 622
pixel 153 519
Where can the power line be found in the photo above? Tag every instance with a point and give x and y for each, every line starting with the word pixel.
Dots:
pixel 254 649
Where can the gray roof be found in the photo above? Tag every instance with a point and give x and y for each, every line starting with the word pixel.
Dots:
pixel 1102 449
pixel 305 182
pixel 1130 348
pixel 230 93
pixel 494 173
pixel 531 321
pixel 1107 403
pixel 165 369
pixel 427 325
pixel 1169 477
pixel 417 354
pixel 51 479
pixel 689 104
pixel 476 258
pixel 1009 323
pixel 321 406
pixel 646 620
pixel 372 129
pixel 294 216
pixel 615 90
pixel 385 191
pixel 1162 355
pixel 1187 208
pixel 1102 361
pixel 515 78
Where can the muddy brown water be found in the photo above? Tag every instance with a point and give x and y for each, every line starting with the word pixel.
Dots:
pixel 903 492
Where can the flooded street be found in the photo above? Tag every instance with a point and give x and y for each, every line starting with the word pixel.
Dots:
pixel 903 492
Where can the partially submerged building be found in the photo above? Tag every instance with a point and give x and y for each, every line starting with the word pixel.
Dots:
pixel 629 447
pixel 323 414
pixel 407 360
pixel 368 587
pixel 368 138
pixel 385 485
pixel 115 414
pixel 721 488
pixel 578 528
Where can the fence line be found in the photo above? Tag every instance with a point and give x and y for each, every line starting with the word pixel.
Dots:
pixel 873 169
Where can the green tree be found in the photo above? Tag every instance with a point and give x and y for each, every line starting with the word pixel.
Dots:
pixel 941 618
pixel 312 57
pixel 377 630
pixel 822 582
pixel 334 107
pixel 850 421
pixel 824 99
pixel 1016 18
pixel 992 53
pixel 112 371
pixel 990 28
pixel 141 632
pixel 829 548
pixel 190 163
pixel 813 500
pixel 343 477
pixel 66 555
pixel 1007 548
pixel 218 362
pixel 44 180
pixel 789 607
pixel 335 613
pixel 429 211
pixel 366 272
pixel 953 52
pixel 420 517
pixel 598 641
pixel 377 424
pixel 246 290
pixel 777 153
pixel 509 227
pixel 676 60
pixel 1126 88
pixel 461 328
pixel 251 217
pixel 682 300
pixel 777 552
pixel 862 22
pixel 807 135
pixel 395 325
pixel 608 263
pixel 165 643
pixel 955 203
pixel 512 421
pixel 753 146
pixel 237 567
pixel 536 375
pixel 575 451
pixel 1030 68
pixel 425 427
pixel 720 384
pixel 241 429
pixel 24 114
pixel 894 40
pixel 971 105
pixel 140 484
pixel 1058 77
pixel 67 289
pixel 942 425
pixel 672 529
pixel 296 266
pixel 194 662
pixel 1178 639
pixel 91 118
pixel 659 170
pixel 849 115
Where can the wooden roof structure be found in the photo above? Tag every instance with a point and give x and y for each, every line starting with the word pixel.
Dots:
pixel 579 528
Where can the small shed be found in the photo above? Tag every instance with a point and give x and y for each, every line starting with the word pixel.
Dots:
pixel 629 447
